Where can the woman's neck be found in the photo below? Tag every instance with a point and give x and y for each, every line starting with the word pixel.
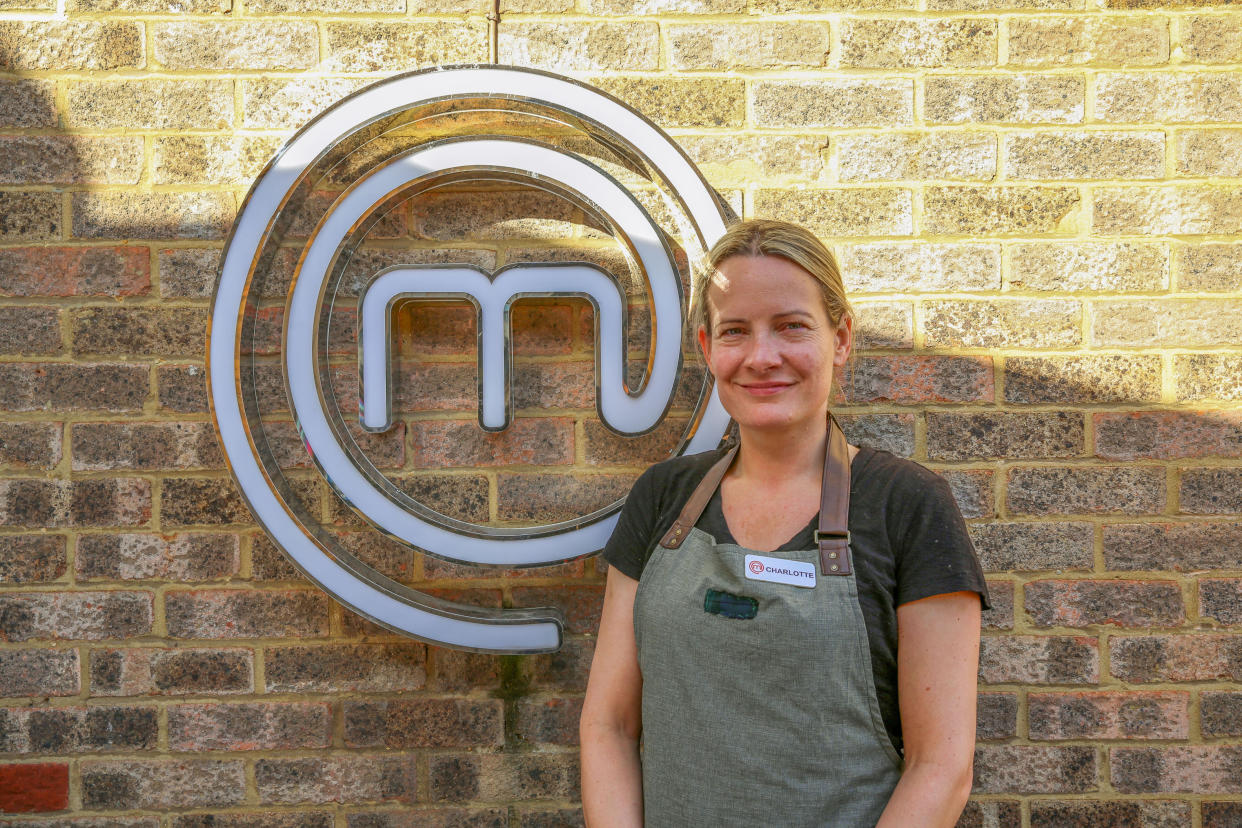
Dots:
pixel 774 457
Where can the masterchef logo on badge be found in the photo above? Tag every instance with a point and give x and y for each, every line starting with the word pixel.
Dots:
pixel 756 567
pixel 420 121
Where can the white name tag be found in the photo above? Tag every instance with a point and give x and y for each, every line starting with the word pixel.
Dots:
pixel 780 571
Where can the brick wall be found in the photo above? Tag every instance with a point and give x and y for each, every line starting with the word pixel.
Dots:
pixel 1035 202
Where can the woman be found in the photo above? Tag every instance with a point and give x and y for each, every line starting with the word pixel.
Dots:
pixel 793 629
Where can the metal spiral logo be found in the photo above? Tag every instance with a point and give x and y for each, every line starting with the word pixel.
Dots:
pixel 304 237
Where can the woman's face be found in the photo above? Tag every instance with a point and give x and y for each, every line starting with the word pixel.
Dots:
pixel 769 343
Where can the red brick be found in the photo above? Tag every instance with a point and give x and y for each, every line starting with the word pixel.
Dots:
pixel 504 777
pixel 260 819
pixel 972 489
pixel 345 779
pixel 1035 769
pixel 545 498
pixel 431 818
pixel 887 432
pixel 194 501
pixel 1166 435
pixel 1222 814
pixel 992 813
pixel 30 216
pixel 237 613
pixel 548 721
pixel 919 379
pixel 1220 713
pixel 550 818
pixel 985 436
pixel 527 441
pixel 115 785
pixel 1209 769
pixel 425 722
pixel 607 448
pixel 145 446
pixel 63 386
pixel 29 559
pixel 566 669
pixel 75 616
pixel 1120 603
pixel 1176 658
pixel 1221 599
pixel 30 330
pixel 75 271
pixel 155 332
pixel 1086 490
pixel 1109 814
pixel 176 557
pixel 59 730
pixel 581 605
pixel 37 672
pixel 1123 715
pixel 274 726
pixel 1033 547
pixel 53 503
pixel 1102 378
pixel 182 388
pixel 1178 547
pixel 456 671
pixel 340 668
pixel 385 450
pixel 151 671
pixel 1000 616
pixel 1211 491
pixel 29 788
pixel 1039 659
pixel 30 445
pixel 996 716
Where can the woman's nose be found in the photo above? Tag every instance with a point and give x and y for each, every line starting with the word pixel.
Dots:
pixel 763 352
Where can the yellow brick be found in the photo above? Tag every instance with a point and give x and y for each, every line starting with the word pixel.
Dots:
pixel 151 215
pixel 1003 5
pixel 151 6
pixel 1210 152
pixel 1101 378
pixel 677 102
pixel 921 268
pixel 59 159
pixel 1023 99
pixel 1212 38
pixel 986 210
pixel 1061 155
pixel 151 104
pixel 245 46
pixel 1209 267
pixel 581 46
pixel 287 104
pixel 27 103
pixel 1189 209
pixel 356 6
pixel 746 158
pixel 61 45
pixel 394 47
pixel 1165 97
pixel 912 156
pixel 883 325
pixel 1208 377
pixel 1077 41
pixel 749 45
pixel 836 213
pixel 843 102
pixel 1084 266
pixel 1001 323
pixel 27 5
pixel 900 44
pixel 1167 323
pixel 193 159
pixel 820 6
pixel 661 7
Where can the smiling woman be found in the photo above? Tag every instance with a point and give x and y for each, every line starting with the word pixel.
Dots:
pixel 791 624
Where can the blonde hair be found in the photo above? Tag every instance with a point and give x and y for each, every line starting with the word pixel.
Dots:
pixel 767 237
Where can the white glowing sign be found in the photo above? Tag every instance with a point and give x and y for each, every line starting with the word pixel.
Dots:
pixel 363 590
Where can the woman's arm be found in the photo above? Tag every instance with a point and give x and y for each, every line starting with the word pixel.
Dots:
pixel 937 668
pixel 612 783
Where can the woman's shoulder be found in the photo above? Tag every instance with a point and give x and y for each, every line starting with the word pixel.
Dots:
pixel 674 479
pixel 879 470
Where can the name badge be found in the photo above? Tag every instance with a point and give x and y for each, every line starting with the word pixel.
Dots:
pixel 780 571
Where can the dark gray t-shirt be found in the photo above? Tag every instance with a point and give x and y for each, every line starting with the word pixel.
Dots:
pixel 907 537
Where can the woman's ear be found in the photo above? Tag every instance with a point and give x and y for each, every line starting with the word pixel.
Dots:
pixel 843 341
pixel 705 346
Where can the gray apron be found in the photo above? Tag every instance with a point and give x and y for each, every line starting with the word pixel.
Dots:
pixel 759 703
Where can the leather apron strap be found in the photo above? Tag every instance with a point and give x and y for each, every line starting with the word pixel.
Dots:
pixel 833 534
